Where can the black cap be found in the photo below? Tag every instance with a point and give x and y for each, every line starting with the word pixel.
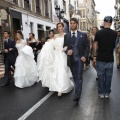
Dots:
pixel 108 19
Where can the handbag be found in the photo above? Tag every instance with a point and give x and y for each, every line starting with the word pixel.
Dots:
pixel 119 48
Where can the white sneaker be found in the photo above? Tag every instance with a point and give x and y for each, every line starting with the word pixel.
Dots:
pixel 106 95
pixel 101 96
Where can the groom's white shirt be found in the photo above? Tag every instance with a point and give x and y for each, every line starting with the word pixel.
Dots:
pixel 74 32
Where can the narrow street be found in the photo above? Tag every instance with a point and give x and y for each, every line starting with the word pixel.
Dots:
pixel 15 102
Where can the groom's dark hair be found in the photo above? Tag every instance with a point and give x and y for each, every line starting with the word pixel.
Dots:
pixel 74 19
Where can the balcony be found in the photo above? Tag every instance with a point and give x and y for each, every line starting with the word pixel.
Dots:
pixel 27 6
pixel 38 10
pixel 88 30
pixel 83 29
pixel 16 2
pixel 11 1
pixel 47 14
pixel 82 5
pixel 71 7
pixel 79 13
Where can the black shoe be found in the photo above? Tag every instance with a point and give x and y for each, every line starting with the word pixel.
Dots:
pixel 118 66
pixel 76 100
pixel 6 84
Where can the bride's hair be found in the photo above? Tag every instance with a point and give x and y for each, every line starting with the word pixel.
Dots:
pixel 51 31
pixel 60 23
pixel 20 32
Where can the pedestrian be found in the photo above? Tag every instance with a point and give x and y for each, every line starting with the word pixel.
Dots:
pixel 105 42
pixel 77 52
pixel 43 41
pixel 10 53
pixel 87 63
pixel 38 47
pixel 53 71
pixel 33 43
pixel 92 50
pixel 88 59
pixel 51 35
pixel 117 49
pixel 25 73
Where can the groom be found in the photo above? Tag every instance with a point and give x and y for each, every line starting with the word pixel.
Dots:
pixel 10 54
pixel 77 51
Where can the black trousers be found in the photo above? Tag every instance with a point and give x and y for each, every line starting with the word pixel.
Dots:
pixel 7 73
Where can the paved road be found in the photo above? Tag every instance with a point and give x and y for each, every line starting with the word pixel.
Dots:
pixel 15 102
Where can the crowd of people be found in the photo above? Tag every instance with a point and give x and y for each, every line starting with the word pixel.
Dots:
pixel 61 57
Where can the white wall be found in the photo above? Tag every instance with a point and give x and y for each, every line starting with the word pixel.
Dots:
pixel 35 21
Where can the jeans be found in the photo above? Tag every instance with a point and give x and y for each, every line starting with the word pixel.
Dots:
pixel 104 72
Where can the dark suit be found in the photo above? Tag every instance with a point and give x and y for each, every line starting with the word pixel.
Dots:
pixel 80 49
pixel 9 58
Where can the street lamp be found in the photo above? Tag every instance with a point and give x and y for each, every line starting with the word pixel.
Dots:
pixel 59 13
pixel 57 9
pixel 62 13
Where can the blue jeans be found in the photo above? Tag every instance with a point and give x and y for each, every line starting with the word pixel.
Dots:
pixel 104 72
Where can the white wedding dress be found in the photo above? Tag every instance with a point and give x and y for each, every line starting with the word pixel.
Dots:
pixel 25 67
pixel 52 67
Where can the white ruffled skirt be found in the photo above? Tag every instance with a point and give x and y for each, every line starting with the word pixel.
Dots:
pixel 25 68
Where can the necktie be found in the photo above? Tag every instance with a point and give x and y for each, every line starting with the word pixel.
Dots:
pixel 73 38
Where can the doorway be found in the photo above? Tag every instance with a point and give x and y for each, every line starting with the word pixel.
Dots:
pixel 16 26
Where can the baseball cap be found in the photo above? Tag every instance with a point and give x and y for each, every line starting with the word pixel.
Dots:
pixel 108 19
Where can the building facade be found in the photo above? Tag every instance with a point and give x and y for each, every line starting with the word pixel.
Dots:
pixel 98 20
pixel 4 19
pixel 117 15
pixel 37 16
pixel 84 20
pixel 88 15
pixel 63 5
pixel 30 16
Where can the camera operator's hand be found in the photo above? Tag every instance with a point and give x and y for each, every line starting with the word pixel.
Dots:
pixel 6 51
pixel 34 48
pixel 94 59
pixel 10 49
pixel 83 59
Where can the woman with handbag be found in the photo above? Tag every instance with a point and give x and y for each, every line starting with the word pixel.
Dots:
pixel 117 49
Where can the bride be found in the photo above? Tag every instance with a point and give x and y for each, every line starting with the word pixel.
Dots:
pixel 52 64
pixel 25 67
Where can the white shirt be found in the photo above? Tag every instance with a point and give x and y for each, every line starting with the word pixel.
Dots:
pixel 74 32
pixel 6 40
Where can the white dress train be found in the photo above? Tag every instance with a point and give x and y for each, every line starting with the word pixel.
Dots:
pixel 52 67
pixel 25 67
